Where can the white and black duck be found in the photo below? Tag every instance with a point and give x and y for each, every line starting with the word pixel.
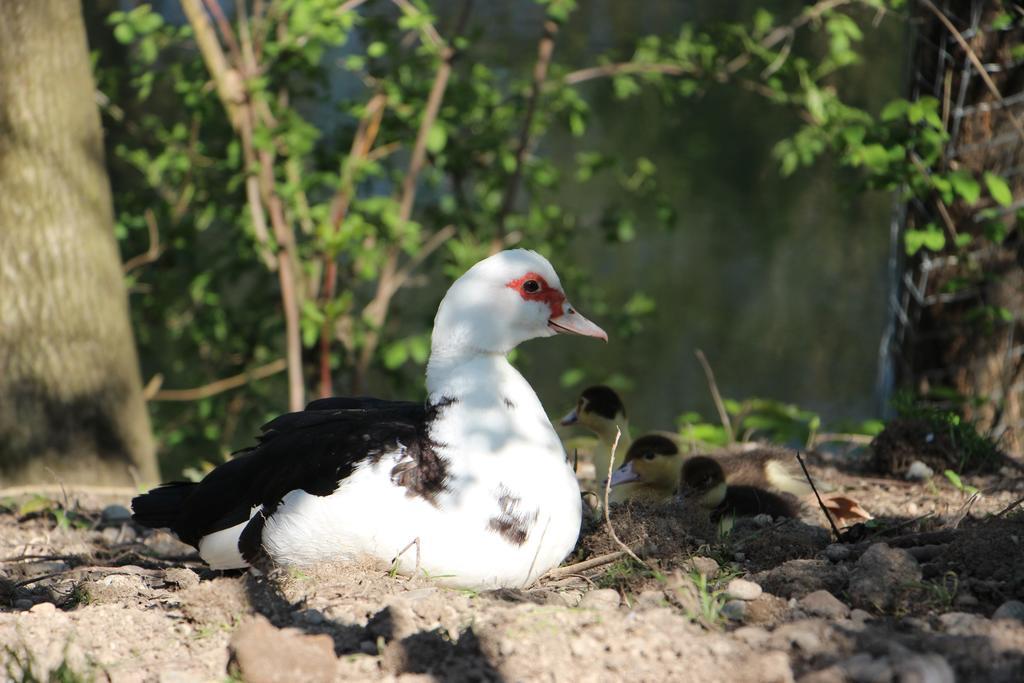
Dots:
pixel 472 487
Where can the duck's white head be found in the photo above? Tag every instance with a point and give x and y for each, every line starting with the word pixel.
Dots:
pixel 503 301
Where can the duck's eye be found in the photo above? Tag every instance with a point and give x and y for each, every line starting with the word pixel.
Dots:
pixel 649 455
pixel 531 286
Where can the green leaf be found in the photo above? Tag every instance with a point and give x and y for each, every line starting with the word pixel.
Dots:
pixel 124 34
pixel 931 238
pixel 437 138
pixel 998 188
pixel 377 49
pixel 894 110
pixel 572 377
pixel 395 355
pixel 34 504
pixel 965 186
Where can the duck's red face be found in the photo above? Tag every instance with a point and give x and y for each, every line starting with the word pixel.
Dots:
pixel 562 317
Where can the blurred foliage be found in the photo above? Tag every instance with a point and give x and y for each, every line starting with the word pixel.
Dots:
pixel 942 412
pixel 340 92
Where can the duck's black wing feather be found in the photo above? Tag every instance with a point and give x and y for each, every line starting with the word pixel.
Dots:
pixel 750 501
pixel 313 450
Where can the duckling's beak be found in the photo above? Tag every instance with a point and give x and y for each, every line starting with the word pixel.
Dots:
pixel 625 475
pixel 571 322
pixel 571 418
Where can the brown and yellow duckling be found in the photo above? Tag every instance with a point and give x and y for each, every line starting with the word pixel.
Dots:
pixel 655 469
pixel 704 481
pixel 600 410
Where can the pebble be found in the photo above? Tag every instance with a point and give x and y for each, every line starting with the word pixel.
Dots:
pixel 837 552
pixel 262 653
pixel 602 598
pixel 741 589
pixel 182 577
pixel 751 635
pixel 859 616
pixel 23 604
pixel 959 623
pixel 924 668
pixel 1011 609
pixel 115 514
pixel 864 667
pixel 705 566
pixel 44 608
pixel 734 610
pixel 824 604
pixel 880 575
pixel 918 471
pixel 739 557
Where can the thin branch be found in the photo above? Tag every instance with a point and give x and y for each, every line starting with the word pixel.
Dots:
pixel 152 253
pixel 224 26
pixel 607 70
pixel 545 48
pixel 973 57
pixel 376 311
pixel 222 385
pixel 228 83
pixel 821 503
pixel 570 569
pixel 607 492
pixel 723 414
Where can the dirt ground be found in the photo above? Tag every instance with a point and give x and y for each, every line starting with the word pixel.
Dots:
pixel 929 591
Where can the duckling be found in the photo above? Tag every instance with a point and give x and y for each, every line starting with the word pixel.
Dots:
pixel 654 466
pixel 600 410
pixel 704 480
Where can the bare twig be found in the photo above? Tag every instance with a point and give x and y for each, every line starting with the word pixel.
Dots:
pixel 570 569
pixel 723 414
pixel 973 57
pixel 222 385
pixel 545 49
pixel 821 504
pixel 228 83
pixel 858 439
pixel 1010 507
pixel 621 68
pixel 152 253
pixel 607 492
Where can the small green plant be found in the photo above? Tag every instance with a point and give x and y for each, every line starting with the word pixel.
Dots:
pixel 64 517
pixel 957 482
pixel 620 574
pixel 940 593
pixel 710 599
pixel 974 449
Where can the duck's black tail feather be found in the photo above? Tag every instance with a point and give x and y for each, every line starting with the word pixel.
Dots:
pixel 162 507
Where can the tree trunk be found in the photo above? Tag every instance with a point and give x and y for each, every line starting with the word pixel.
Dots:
pixel 71 405
pixel 959 323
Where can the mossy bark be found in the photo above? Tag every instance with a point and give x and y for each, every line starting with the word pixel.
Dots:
pixel 955 333
pixel 71 405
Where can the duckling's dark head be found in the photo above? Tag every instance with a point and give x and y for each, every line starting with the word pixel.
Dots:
pixel 704 479
pixel 652 460
pixel 598 408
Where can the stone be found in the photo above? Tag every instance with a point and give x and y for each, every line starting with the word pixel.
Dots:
pixel 864 667
pixel 823 604
pixel 805 636
pixel 837 552
pixel 181 577
pixel 859 616
pixel 924 668
pixel 959 623
pixel 918 471
pixel 734 610
pixel 44 609
pixel 741 589
pixel 115 514
pixel 703 565
pixel 602 598
pixel 262 653
pixel 23 604
pixel 881 576
pixel 1011 609
pixel 751 635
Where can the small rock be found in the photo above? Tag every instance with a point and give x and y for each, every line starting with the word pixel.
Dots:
pixel 650 599
pixel 23 604
pixel 880 576
pixel 763 520
pixel 739 556
pixel 837 552
pixel 918 471
pixel 959 623
pixel 368 647
pixel 751 635
pixel 115 514
pixel 801 635
pixel 310 616
pixel 860 616
pixel 261 653
pixel 1011 609
pixel 111 535
pixel 864 667
pixel 704 565
pixel 741 589
pixel 181 577
pixel 912 509
pixel 602 598
pixel 920 668
pixel 734 610
pixel 43 608
pixel 965 599
pixel 824 604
